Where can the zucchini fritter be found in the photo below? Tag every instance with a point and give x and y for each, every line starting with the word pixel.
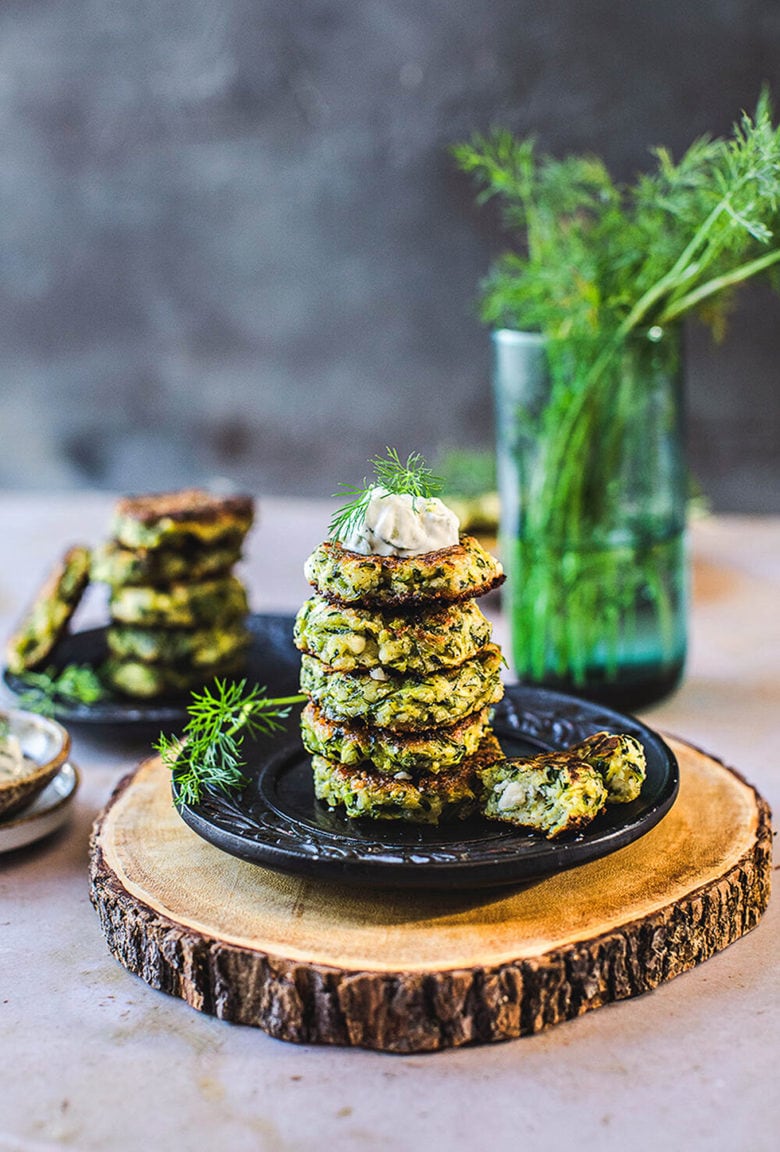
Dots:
pixel 553 792
pixel 450 795
pixel 619 760
pixel 405 703
pixel 181 605
pixel 350 638
pixel 446 576
pixel 145 681
pixel 198 647
pixel 385 751
pixel 176 518
pixel 118 566
pixel 46 620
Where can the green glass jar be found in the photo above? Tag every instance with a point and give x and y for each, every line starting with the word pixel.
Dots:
pixel 593 486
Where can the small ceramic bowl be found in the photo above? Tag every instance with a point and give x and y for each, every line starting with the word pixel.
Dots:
pixel 47 744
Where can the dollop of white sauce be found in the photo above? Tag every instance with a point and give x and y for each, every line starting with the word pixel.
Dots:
pixel 397 524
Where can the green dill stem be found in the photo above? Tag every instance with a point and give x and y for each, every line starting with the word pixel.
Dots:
pixel 208 751
pixel 250 709
pixel 726 280
pixel 681 270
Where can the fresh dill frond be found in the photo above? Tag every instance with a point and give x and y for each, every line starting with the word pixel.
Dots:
pixel 74 684
pixel 209 753
pixel 594 259
pixel 412 477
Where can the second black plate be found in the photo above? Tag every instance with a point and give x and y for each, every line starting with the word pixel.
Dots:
pixel 272 661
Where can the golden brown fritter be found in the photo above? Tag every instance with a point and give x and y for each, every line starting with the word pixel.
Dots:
pixel 446 576
pixel 117 566
pixel 175 518
pixel 350 638
pixel 183 605
pixel 405 703
pixel 430 751
pixel 190 647
pixel 450 795
pixel 146 681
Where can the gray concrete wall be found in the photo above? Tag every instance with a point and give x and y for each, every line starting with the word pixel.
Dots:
pixel 232 242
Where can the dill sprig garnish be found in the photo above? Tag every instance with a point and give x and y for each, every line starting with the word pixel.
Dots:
pixel 413 478
pixel 73 684
pixel 209 753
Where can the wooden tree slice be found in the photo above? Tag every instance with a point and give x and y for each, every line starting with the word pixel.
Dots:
pixel 321 963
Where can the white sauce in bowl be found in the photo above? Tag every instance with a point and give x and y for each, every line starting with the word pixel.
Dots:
pixel 14 765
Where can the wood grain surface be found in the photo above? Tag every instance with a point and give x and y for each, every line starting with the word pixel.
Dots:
pixel 315 962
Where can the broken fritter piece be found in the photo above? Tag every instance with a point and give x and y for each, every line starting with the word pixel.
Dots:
pixel 552 793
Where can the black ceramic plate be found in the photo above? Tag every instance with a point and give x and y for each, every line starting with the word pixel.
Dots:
pixel 272 661
pixel 277 822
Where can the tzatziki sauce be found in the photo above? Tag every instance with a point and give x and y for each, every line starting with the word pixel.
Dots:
pixel 398 524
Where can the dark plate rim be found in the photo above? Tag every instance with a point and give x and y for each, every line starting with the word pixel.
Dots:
pixel 275 838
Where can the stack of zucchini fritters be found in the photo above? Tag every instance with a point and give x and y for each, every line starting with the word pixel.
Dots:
pixel 178 611
pixel 401 674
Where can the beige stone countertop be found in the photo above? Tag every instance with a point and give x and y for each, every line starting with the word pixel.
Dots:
pixel 93 1058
